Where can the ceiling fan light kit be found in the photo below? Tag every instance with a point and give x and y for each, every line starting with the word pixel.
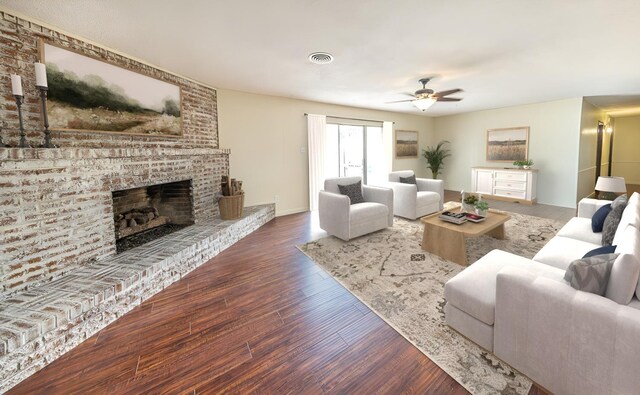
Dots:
pixel 425 98
pixel 423 104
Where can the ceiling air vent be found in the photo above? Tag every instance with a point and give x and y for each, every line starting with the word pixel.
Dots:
pixel 320 58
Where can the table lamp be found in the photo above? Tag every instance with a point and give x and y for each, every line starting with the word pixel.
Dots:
pixel 611 186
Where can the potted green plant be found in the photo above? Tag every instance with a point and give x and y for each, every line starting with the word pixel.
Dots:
pixel 435 157
pixel 482 207
pixel 469 202
pixel 523 164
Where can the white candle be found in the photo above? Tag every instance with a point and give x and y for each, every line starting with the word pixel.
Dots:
pixel 41 74
pixel 16 85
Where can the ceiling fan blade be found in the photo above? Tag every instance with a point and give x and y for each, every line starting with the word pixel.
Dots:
pixel 447 99
pixel 399 101
pixel 446 93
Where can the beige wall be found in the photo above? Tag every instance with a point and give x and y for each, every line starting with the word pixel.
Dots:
pixel 267 136
pixel 626 152
pixel 588 147
pixel 553 145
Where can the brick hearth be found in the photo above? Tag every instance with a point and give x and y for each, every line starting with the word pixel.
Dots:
pixel 39 325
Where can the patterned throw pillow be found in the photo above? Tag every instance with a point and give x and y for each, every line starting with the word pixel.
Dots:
pixel 591 274
pixel 620 200
pixel 611 224
pixel 354 191
pixel 408 180
pixel 597 221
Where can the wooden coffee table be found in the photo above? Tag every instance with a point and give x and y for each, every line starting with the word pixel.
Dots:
pixel 447 240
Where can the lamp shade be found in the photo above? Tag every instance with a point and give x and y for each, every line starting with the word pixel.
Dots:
pixel 423 104
pixel 611 184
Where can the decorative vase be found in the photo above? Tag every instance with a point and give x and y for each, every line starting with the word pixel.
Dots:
pixel 468 208
pixel 526 167
pixel 481 212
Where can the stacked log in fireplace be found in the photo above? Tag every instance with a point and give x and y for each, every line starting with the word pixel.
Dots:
pixel 138 210
pixel 137 220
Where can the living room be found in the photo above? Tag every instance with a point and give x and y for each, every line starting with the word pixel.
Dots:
pixel 255 304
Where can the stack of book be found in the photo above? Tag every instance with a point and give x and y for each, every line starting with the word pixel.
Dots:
pixel 454 218
pixel 474 217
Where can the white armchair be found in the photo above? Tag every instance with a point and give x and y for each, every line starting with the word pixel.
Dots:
pixel 415 201
pixel 346 221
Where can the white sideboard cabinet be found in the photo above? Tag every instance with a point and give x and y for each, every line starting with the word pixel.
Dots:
pixel 511 184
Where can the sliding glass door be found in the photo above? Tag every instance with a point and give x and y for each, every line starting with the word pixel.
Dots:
pixel 355 151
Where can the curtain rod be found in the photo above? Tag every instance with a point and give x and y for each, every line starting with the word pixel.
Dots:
pixel 353 119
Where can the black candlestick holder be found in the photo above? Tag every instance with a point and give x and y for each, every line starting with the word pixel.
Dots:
pixel 45 118
pixel 23 135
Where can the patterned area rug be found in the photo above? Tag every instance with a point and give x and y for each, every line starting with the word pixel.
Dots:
pixel 404 285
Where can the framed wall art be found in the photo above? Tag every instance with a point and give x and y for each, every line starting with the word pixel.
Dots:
pixel 87 94
pixel 508 144
pixel 406 144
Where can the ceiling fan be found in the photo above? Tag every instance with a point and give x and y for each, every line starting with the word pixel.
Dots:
pixel 425 98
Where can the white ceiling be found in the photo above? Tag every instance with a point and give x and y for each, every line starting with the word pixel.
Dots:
pixel 501 52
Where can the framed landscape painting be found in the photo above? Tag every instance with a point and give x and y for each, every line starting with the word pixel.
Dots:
pixel 508 144
pixel 87 94
pixel 406 144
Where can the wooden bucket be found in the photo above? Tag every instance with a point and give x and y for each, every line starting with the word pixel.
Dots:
pixel 231 206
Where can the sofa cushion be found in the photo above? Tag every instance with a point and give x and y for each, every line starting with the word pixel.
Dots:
pixel 597 221
pixel 353 191
pixel 624 279
pixel 427 198
pixel 580 229
pixel 630 245
pixel 474 289
pixel 630 216
pixel 365 212
pixel 611 225
pixel 635 303
pixel 408 180
pixel 590 274
pixel 561 251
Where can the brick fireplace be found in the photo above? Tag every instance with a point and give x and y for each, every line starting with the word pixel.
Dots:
pixel 61 210
pixel 56 204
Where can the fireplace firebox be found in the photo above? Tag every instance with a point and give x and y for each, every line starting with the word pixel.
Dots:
pixel 144 214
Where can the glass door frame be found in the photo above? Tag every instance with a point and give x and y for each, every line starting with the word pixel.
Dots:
pixel 365 160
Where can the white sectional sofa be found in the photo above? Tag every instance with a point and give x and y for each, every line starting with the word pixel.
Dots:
pixel 568 341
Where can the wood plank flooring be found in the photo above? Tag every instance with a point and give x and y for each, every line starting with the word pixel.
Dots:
pixel 259 318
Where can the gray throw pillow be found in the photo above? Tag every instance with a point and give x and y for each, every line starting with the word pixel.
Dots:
pixel 354 191
pixel 620 200
pixel 409 180
pixel 611 224
pixel 591 274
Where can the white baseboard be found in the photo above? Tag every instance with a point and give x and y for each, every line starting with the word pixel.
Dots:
pixel 280 213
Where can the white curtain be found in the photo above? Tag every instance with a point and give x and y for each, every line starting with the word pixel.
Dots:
pixel 316 127
pixel 387 137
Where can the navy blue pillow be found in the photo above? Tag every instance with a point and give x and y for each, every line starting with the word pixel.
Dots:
pixel 600 251
pixel 597 221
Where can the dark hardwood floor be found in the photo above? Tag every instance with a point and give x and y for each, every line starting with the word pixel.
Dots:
pixel 261 317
